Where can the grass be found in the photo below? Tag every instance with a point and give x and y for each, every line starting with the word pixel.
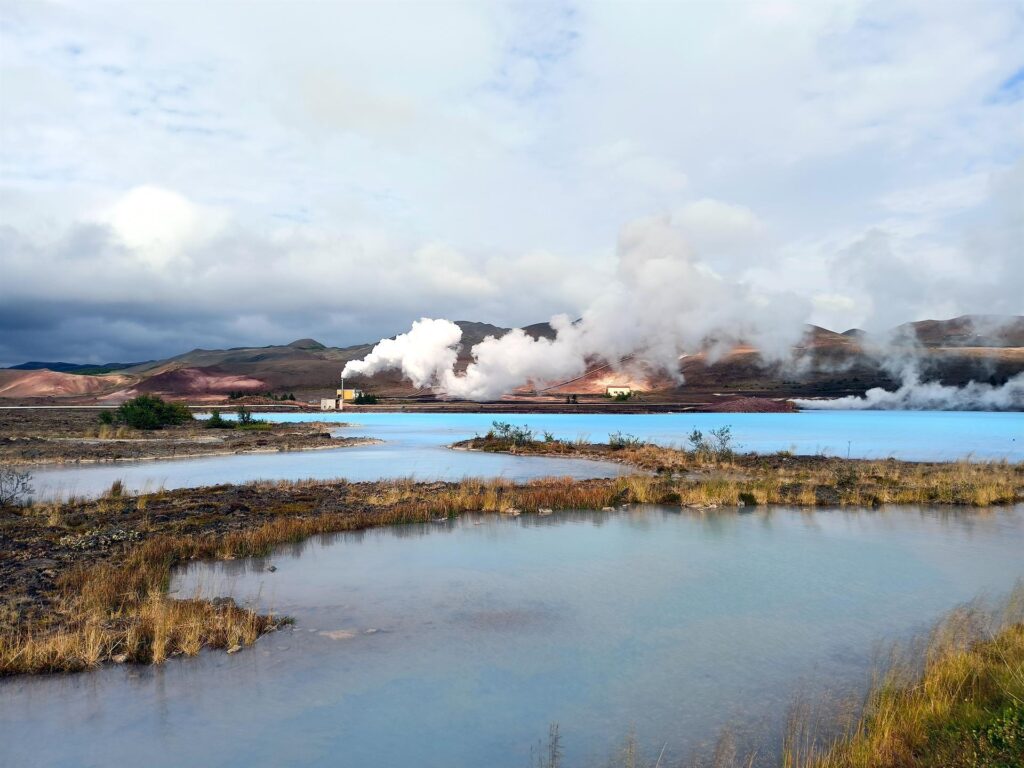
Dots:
pixel 954 699
pixel 956 703
pixel 723 478
pixel 120 610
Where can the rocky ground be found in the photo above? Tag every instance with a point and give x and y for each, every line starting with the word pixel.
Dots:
pixel 38 436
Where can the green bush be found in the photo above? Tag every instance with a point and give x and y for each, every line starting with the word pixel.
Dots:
pixel 999 743
pixel 619 440
pixel 216 421
pixel 152 412
pixel 503 430
pixel 365 398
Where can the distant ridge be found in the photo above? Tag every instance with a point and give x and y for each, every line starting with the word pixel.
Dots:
pixel 79 368
pixel 307 344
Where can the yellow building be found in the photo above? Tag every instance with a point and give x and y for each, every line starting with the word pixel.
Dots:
pixel 347 395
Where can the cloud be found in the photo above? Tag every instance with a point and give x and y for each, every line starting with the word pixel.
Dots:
pixel 661 304
pixel 340 169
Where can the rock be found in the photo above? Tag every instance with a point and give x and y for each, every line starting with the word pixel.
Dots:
pixel 545 511
pixel 511 512
pixel 234 649
pixel 120 658
pixel 271 568
pixel 607 509
pixel 223 602
pixel 339 634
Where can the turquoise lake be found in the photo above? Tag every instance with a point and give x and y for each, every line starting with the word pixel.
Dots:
pixel 415 445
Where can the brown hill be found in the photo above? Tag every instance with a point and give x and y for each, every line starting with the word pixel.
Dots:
pixel 967 331
pixel 980 348
pixel 43 383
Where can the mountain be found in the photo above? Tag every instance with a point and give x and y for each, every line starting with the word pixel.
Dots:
pixel 79 368
pixel 966 331
pixel 980 347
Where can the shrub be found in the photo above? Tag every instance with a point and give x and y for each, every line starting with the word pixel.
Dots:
pixel 718 446
pixel 721 442
pixel 618 440
pixel 503 430
pixel 106 417
pixel 696 441
pixel 151 412
pixel 216 421
pixel 364 398
pixel 244 415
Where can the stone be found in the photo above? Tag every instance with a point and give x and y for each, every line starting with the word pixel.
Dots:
pixel 339 634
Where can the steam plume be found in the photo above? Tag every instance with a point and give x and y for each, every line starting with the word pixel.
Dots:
pixel 661 304
pixel 914 394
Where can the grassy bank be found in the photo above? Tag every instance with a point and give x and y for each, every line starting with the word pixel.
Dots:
pixel 952 699
pixel 30 437
pixel 86 581
pixel 720 476
pixel 957 702
pixel 101 591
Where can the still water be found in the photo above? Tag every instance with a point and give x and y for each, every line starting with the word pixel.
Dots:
pixel 457 644
pixel 415 444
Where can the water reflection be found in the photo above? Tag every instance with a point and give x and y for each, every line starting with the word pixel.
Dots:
pixel 457 643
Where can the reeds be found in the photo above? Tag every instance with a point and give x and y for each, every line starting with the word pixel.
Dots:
pixel 706 477
pixel 956 701
pixel 121 610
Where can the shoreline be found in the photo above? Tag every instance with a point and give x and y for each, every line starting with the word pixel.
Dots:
pixel 342 442
pixel 54 547
pixel 86 581
pixel 63 437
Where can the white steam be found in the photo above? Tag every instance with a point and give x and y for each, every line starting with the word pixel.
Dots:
pixel 661 304
pixel 916 395
pixel 424 354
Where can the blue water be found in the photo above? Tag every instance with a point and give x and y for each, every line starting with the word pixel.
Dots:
pixel 415 445
pixel 489 629
pixel 909 435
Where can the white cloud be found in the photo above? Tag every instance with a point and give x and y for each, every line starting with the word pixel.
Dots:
pixel 358 167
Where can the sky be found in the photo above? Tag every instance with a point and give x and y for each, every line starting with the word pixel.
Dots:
pixel 208 174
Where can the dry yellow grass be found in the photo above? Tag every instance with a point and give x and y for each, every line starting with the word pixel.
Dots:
pixel 957 703
pixel 110 610
pixel 122 611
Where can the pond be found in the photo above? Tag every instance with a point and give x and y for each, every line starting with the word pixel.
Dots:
pixel 457 644
pixel 415 444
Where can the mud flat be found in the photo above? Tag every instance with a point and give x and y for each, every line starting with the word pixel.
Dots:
pixel 69 436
